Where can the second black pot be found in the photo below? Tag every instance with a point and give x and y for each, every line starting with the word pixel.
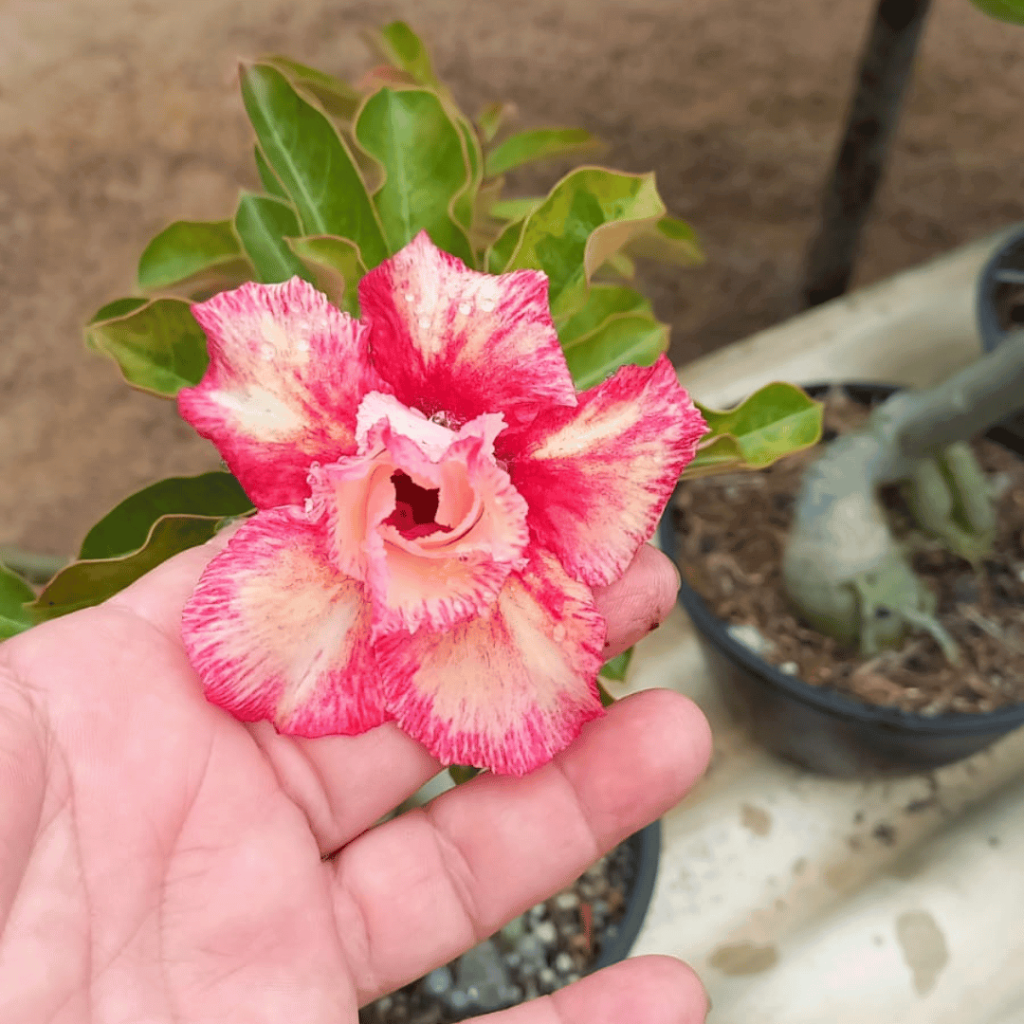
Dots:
pixel 821 729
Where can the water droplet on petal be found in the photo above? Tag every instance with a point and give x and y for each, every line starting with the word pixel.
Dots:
pixel 487 305
pixel 307 505
pixel 424 322
pixel 465 308
pixel 408 296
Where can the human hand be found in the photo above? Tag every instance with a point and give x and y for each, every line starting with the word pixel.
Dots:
pixel 161 861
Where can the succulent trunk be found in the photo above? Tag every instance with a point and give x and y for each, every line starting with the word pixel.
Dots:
pixel 843 569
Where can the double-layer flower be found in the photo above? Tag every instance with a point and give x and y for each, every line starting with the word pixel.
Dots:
pixel 434 501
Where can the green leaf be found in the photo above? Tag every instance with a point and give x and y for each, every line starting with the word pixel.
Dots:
pixel 193 256
pixel 401 47
pixel 419 147
pixel 634 338
pixel 603 302
pixel 117 308
pixel 541 144
pixel 607 700
pixel 670 240
pixel 1005 10
pixel 461 773
pixel 503 247
pixel 491 118
pixel 312 163
pixel 263 223
pixel 777 420
pixel 514 209
pixel 126 527
pixel 337 97
pixel 268 179
pixel 714 457
pixel 159 347
pixel 14 594
pixel 86 583
pixel 335 267
pixel 615 668
pixel 588 216
pixel 464 206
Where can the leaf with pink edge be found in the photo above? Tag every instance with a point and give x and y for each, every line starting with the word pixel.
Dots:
pixel 86 583
pixel 400 46
pixel 15 593
pixel 409 132
pixel 191 258
pixel 588 216
pixel 312 162
pixel 539 144
pixel 263 223
pixel 634 338
pixel 159 346
pixel 775 421
pixel 126 527
pixel 335 266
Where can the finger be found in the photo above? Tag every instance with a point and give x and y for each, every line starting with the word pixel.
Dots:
pixel 639 601
pixel 338 781
pixel 645 990
pixel 421 889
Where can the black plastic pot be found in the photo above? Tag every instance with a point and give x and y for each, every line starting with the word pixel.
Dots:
pixel 1000 308
pixel 821 729
pixel 646 847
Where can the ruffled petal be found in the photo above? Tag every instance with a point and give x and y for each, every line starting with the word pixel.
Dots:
pixel 596 478
pixel 449 339
pixel 286 373
pixel 275 632
pixel 507 691
pixel 438 552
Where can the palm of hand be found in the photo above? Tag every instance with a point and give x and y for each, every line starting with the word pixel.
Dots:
pixel 161 862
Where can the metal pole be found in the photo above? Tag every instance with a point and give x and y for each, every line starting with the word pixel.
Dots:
pixel 886 63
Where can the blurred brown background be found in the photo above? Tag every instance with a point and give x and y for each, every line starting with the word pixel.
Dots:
pixel 118 116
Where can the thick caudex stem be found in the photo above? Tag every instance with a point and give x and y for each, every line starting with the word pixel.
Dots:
pixel 843 569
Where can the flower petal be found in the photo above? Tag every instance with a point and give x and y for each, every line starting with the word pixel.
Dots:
pixel 436 575
pixel 596 478
pixel 505 692
pixel 286 373
pixel 276 632
pixel 449 339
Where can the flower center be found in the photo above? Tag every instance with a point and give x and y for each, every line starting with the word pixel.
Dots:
pixel 415 508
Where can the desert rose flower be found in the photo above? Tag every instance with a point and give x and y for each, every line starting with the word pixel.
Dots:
pixel 434 501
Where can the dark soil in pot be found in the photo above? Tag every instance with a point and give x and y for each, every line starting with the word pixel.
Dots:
pixel 728 540
pixel 589 925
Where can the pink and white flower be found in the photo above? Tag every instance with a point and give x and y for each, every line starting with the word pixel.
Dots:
pixel 435 502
